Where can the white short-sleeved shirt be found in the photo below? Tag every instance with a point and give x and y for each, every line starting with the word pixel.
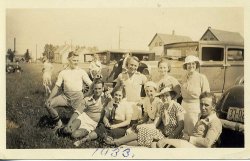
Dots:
pixel 73 79
pixel 133 85
pixel 122 112
pixel 151 108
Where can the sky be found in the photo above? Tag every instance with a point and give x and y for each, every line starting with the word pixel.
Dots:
pixel 101 27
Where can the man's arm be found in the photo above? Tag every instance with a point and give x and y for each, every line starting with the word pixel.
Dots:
pixel 212 135
pixel 72 118
pixel 53 93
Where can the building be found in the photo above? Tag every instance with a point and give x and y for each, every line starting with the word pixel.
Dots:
pixel 61 53
pixel 221 35
pixel 157 43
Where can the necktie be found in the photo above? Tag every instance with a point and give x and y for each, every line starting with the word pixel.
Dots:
pixel 112 118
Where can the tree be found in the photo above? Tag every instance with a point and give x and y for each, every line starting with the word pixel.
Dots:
pixel 11 55
pixel 49 51
pixel 27 56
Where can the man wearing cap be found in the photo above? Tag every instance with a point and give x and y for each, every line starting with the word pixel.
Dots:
pixel 206 131
pixel 71 79
pixel 193 84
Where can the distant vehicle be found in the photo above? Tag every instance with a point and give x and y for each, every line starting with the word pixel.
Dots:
pixel 12 68
pixel 230 109
pixel 109 58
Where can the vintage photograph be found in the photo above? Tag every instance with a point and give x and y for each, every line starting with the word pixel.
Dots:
pixel 117 79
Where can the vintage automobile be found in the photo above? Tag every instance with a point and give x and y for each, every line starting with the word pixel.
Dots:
pixel 109 58
pixel 230 109
pixel 222 62
pixel 12 68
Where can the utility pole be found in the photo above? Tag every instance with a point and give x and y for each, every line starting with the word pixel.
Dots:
pixel 36 52
pixel 119 41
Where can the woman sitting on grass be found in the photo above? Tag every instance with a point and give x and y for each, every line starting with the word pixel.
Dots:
pixel 169 123
pixel 118 114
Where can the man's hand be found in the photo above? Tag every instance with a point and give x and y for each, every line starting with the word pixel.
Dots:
pixel 106 123
pixel 113 127
pixel 47 102
pixel 161 143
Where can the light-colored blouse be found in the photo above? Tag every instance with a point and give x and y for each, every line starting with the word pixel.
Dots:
pixel 193 85
pixel 122 112
pixel 151 108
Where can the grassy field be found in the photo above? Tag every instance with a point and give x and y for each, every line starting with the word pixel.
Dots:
pixel 28 123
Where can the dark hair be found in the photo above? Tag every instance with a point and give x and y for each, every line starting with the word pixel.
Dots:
pixel 122 89
pixel 72 53
pixel 164 60
pixel 98 81
pixel 208 95
pixel 197 65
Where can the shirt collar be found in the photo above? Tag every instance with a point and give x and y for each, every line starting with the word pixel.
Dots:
pixel 210 117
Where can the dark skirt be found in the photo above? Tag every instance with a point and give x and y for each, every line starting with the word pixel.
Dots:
pixel 103 131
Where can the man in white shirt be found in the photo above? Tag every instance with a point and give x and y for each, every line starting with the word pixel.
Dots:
pixel 71 79
pixel 206 131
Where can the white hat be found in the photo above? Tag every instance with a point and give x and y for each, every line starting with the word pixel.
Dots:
pixel 150 84
pixel 192 58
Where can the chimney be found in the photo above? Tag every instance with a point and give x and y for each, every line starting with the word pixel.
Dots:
pixel 14 44
pixel 173 32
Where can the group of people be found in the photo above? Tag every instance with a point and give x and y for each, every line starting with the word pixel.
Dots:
pixel 122 117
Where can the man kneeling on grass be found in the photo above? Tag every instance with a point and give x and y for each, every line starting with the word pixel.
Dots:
pixel 71 79
pixel 85 118
pixel 206 131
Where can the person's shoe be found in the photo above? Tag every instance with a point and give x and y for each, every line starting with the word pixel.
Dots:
pixel 109 140
pixel 79 142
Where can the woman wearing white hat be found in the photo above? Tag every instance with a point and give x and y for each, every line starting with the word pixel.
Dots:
pixel 193 84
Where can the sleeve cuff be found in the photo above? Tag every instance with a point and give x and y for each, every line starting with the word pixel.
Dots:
pixel 79 113
pixel 192 139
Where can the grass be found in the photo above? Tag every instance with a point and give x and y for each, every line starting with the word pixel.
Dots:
pixel 28 123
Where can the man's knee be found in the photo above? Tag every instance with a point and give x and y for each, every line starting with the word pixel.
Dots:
pixel 79 133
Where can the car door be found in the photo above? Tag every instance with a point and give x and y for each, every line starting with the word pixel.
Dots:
pixel 234 67
pixel 213 65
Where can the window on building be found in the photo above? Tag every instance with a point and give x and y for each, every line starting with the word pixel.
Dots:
pixel 234 54
pixel 160 43
pixel 212 54
pixel 156 43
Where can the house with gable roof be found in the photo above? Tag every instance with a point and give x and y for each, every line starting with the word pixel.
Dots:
pixel 157 43
pixel 221 35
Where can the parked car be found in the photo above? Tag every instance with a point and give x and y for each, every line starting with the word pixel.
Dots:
pixel 230 109
pixel 109 58
pixel 222 62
